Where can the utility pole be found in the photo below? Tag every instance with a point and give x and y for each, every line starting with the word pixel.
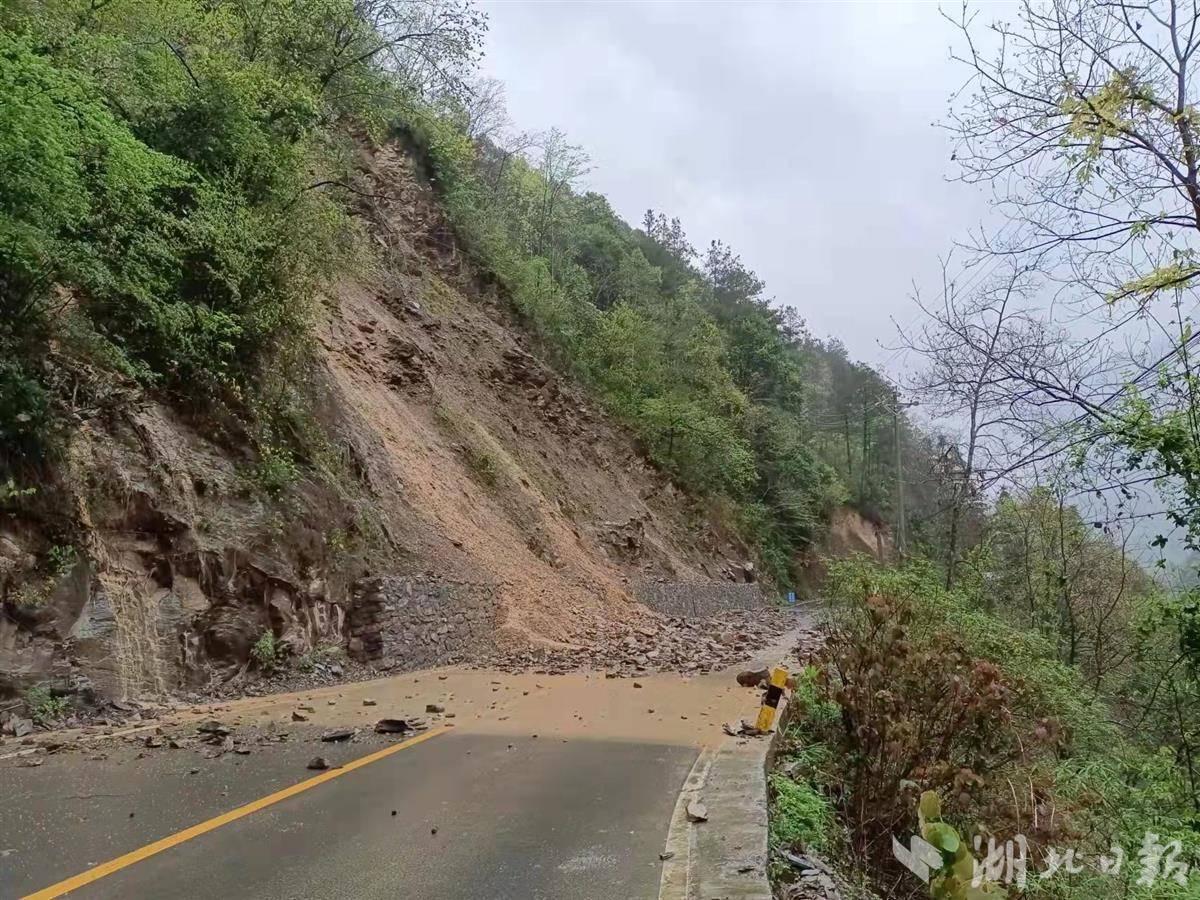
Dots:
pixel 901 524
pixel 900 538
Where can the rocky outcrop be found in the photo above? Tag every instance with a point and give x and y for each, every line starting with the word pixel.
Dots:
pixel 852 533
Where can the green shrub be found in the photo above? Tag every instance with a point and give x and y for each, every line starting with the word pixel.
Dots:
pixel 322 653
pixel 904 672
pixel 187 259
pixel 267 652
pixel 44 707
pixel 24 412
pixel 33 595
pixel 10 491
pixel 275 471
pixel 62 559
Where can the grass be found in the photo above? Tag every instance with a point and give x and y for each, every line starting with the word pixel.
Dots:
pixel 33 594
pixel 801 816
pixel 487 460
pixel 483 466
pixel 322 653
pixel 439 298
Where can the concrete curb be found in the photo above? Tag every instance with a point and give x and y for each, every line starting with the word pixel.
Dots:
pixel 725 857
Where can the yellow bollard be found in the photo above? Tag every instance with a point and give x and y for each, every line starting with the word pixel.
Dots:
pixel 766 714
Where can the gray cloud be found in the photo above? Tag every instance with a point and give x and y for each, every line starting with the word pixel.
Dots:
pixel 799 133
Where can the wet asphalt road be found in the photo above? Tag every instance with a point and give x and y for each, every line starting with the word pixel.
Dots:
pixel 515 817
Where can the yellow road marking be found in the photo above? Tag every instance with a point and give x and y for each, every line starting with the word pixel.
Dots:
pixel 115 865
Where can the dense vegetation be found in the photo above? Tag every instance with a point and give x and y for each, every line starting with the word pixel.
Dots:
pixel 978 695
pixel 727 389
pixel 170 167
pixel 1032 672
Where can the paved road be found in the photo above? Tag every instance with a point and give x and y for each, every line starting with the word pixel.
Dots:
pixel 545 820
pixel 582 810
pixel 516 817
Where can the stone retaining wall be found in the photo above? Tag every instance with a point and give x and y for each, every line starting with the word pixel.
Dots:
pixel 412 621
pixel 673 598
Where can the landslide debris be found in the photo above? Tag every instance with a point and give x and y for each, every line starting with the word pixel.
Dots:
pixel 670 644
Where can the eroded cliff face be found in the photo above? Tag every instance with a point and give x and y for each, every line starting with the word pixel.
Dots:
pixel 451 460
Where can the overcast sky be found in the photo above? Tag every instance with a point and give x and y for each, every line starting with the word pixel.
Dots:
pixel 799 133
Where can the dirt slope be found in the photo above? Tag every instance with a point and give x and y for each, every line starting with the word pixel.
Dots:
pixel 509 473
pixel 455 453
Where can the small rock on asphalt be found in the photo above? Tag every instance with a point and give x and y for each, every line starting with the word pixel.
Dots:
pixel 392 726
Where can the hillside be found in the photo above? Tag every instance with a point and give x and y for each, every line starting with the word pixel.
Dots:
pixel 459 458
pixel 363 371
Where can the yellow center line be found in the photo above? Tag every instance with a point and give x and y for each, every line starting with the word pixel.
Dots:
pixel 115 865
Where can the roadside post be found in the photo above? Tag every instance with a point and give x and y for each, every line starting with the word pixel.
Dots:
pixel 775 686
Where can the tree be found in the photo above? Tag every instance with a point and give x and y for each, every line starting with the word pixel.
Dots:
pixel 560 164
pixel 1052 572
pixel 1081 117
pixel 975 345
pixel 429 45
pixel 480 111
pixel 1083 123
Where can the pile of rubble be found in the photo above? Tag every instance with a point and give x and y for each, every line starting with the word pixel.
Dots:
pixel 688 646
pixel 108 715
pixel 291 678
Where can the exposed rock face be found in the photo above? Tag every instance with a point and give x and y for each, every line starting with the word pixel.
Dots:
pixel 851 533
pixel 179 568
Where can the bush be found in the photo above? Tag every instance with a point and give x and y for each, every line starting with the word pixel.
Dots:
pixel 267 652
pixel 933 693
pixel 33 595
pixel 44 707
pixel 275 470
pixel 915 713
pixel 185 259
pixel 24 413
pixel 324 654
pixel 483 466
pixel 62 559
